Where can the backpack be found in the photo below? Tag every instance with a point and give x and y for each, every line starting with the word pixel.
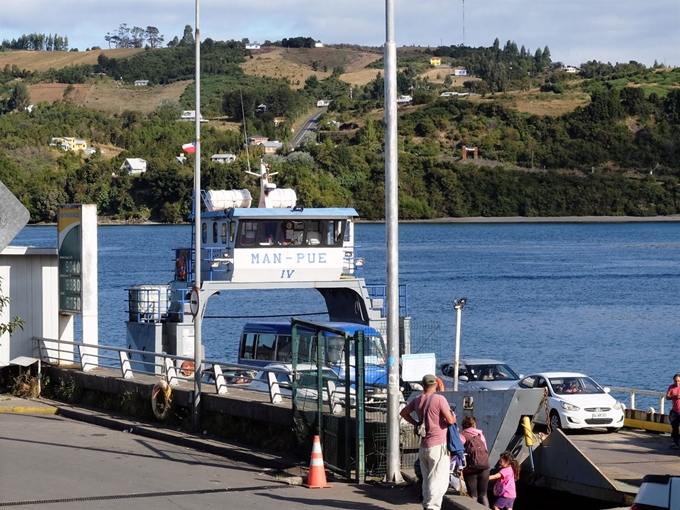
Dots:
pixel 475 452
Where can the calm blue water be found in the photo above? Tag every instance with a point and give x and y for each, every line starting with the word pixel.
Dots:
pixel 598 298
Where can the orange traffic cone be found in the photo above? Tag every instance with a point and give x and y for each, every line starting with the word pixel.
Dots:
pixel 317 474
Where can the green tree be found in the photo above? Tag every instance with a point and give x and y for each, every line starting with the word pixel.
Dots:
pixel 187 37
pixel 16 322
pixel 20 98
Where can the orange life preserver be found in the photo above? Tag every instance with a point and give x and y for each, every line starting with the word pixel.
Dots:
pixel 440 384
pixel 187 368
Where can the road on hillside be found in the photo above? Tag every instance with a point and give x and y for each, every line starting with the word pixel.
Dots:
pixel 310 125
pixel 50 462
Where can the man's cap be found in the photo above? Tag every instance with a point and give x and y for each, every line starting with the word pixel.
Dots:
pixel 429 380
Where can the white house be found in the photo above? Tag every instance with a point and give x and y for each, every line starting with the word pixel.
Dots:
pixel 449 94
pixel 460 72
pixel 141 83
pixel 570 69
pixel 321 103
pixel 253 46
pixel 318 44
pixel 190 116
pixel 223 158
pixel 134 166
pixel 403 100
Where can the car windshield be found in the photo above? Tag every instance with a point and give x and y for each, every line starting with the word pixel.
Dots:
pixel 490 372
pixel 307 378
pixel 570 385
pixel 374 349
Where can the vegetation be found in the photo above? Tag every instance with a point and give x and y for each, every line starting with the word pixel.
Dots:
pixel 12 325
pixel 618 154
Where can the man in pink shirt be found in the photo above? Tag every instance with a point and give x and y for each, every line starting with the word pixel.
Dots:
pixel 673 394
pixel 433 453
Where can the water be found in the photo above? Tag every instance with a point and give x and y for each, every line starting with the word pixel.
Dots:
pixel 596 298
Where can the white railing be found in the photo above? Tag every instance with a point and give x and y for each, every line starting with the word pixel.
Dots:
pixel 172 367
pixel 647 393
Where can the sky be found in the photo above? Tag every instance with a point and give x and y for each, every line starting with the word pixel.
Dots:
pixel 575 31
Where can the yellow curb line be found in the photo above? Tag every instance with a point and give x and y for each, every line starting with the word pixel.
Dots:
pixel 29 410
pixel 647 425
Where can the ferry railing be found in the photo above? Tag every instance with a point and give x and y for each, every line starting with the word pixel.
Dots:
pixel 174 368
pixel 377 293
pixel 632 393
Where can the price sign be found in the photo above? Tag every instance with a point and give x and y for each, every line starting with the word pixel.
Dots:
pixel 69 220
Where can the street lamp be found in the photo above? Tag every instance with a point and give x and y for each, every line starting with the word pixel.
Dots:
pixel 458 305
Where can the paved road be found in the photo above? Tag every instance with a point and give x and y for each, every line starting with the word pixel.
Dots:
pixel 309 126
pixel 50 462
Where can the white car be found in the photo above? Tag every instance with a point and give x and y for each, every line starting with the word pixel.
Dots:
pixel 306 384
pixel 575 401
pixel 478 374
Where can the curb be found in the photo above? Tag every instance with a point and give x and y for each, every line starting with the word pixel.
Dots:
pixel 28 410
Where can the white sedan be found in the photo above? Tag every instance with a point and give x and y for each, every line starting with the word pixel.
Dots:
pixel 575 401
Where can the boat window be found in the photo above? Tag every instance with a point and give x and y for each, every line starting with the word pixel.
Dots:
pixel 266 344
pixel 284 349
pixel 298 232
pixel 314 233
pixel 248 231
pixel 204 233
pixel 224 233
pixel 335 233
pixel 232 231
pixel 214 232
pixel 248 346
pixel 347 236
pixel 266 234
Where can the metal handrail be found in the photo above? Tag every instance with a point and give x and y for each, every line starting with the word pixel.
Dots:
pixel 633 392
pixel 168 366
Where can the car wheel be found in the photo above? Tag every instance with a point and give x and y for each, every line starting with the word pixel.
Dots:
pixel 613 430
pixel 555 422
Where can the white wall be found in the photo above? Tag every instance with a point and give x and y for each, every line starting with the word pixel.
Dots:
pixel 30 279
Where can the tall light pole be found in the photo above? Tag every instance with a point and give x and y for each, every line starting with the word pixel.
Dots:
pixel 458 305
pixel 196 292
pixel 393 471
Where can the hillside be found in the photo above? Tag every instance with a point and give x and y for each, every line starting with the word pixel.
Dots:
pixel 44 60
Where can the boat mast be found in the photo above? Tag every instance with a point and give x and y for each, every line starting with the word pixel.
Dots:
pixel 245 135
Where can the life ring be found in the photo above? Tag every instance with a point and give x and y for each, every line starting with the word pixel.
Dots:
pixel 187 368
pixel 161 410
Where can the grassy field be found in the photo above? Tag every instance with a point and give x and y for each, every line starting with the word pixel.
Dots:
pixel 44 60
pixel 295 65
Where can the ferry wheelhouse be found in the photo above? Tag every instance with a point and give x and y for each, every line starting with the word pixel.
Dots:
pixel 277 241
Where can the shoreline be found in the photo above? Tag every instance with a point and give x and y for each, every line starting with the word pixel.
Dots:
pixel 473 220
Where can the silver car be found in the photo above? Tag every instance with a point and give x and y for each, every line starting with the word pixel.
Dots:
pixel 478 374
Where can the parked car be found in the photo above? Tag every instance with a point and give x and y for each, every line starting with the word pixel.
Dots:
pixel 478 374
pixel 575 401
pixel 306 384
pixel 658 492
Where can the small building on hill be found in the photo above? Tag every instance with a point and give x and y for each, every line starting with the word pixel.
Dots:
pixel 134 166
pixel 68 143
pixel 253 46
pixel 435 61
pixel 318 44
pixel 460 72
pixel 256 139
pixel 223 158
pixel 141 83
pixel 271 147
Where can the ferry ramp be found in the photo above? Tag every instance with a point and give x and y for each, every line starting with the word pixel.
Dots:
pixel 603 466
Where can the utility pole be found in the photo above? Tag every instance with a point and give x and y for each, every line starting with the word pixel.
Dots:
pixel 393 473
pixel 458 305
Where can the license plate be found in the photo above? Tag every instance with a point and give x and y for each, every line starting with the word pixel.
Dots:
pixel 599 415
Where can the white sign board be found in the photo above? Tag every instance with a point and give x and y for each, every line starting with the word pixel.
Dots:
pixel 13 216
pixel 415 366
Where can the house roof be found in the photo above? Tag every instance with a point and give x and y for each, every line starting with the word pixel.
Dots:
pixel 135 163
pixel 222 156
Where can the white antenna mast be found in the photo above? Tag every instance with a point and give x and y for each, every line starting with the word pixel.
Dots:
pixel 245 135
pixel 463 22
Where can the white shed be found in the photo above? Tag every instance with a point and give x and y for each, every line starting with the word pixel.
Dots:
pixel 134 166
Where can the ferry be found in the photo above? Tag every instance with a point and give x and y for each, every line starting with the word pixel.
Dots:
pixel 277 245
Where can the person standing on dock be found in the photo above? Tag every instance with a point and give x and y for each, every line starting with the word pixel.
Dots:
pixel 673 394
pixel 476 472
pixel 435 413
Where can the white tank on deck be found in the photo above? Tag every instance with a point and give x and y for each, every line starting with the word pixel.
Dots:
pixel 221 200
pixel 148 303
pixel 280 198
